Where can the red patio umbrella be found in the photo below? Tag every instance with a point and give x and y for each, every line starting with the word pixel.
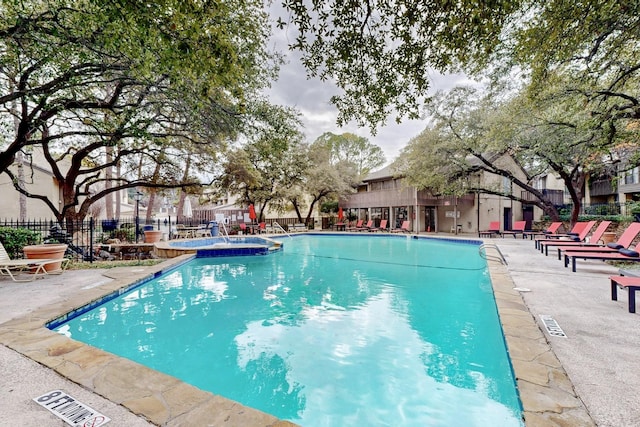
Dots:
pixel 340 215
pixel 252 212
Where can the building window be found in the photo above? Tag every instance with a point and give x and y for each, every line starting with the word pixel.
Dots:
pixel 506 185
pixel 632 176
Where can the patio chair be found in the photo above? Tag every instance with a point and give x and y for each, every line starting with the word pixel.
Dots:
pixel 517 229
pixel 381 227
pixel 494 228
pixel 573 233
pixel 404 228
pixel 35 267
pixel 367 227
pixel 549 231
pixel 629 282
pixel 581 240
pixel 625 240
pixel 358 225
pixel 181 231
pixel 620 255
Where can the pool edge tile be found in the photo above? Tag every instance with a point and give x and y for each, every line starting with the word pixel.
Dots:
pixel 546 392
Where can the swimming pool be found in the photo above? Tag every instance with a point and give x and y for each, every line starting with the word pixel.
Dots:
pixel 331 331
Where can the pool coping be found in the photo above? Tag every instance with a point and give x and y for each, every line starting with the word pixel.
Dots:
pixel 546 392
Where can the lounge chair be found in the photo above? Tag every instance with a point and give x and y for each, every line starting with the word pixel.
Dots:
pixel 580 241
pixel 572 234
pixel 404 228
pixel 381 227
pixel 517 229
pixel 549 231
pixel 621 255
pixel 182 232
pixel 625 240
pixel 34 267
pixel 494 228
pixel 358 225
pixel 367 227
pixel 629 282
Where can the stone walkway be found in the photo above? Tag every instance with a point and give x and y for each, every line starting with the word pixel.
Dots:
pixel 583 379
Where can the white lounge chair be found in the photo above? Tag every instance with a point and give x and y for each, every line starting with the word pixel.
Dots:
pixel 34 267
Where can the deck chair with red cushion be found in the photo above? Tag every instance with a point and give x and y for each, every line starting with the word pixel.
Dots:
pixel 620 255
pixel 581 240
pixel 517 229
pixel 358 225
pixel 381 227
pixel 494 228
pixel 367 227
pixel 404 228
pixel 549 231
pixel 625 240
pixel 573 234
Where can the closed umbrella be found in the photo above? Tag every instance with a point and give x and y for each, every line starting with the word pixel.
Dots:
pixel 340 215
pixel 252 212
pixel 187 212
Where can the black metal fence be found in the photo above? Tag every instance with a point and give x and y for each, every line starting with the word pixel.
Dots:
pixel 597 209
pixel 85 237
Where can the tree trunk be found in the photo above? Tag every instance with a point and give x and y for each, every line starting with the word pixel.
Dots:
pixel 152 195
pixel 108 174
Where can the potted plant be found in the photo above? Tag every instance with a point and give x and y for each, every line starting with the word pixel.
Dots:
pixel 152 236
pixel 46 251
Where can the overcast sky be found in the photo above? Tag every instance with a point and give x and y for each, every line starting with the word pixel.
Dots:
pixel 311 98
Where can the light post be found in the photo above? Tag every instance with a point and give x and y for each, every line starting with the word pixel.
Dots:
pixel 137 197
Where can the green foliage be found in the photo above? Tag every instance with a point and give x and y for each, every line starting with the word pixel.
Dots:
pixel 124 234
pixel 14 239
pixel 633 207
pixel 382 54
pixel 330 206
pixel 350 151
pixel 166 85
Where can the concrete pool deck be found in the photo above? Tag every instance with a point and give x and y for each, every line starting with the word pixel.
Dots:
pixel 599 353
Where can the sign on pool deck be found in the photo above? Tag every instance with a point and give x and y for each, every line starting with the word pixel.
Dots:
pixel 70 410
pixel 552 326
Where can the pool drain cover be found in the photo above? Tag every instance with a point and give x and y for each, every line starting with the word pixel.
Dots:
pixel 552 326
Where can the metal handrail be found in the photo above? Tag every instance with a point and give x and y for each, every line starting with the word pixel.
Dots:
pixel 226 233
pixel 280 227
pixel 486 256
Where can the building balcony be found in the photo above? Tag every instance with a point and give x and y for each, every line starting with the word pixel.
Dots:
pixel 603 187
pixel 555 196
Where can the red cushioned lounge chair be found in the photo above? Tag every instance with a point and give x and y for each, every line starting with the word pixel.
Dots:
pixel 621 255
pixel 594 240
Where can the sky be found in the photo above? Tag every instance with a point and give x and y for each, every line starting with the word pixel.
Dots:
pixel 318 115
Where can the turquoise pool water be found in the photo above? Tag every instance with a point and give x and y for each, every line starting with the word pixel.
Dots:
pixel 330 331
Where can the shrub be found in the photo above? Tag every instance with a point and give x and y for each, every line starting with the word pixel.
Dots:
pixel 14 239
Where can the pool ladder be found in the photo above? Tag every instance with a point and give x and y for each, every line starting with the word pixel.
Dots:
pixel 226 233
pixel 280 227
pixel 483 253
